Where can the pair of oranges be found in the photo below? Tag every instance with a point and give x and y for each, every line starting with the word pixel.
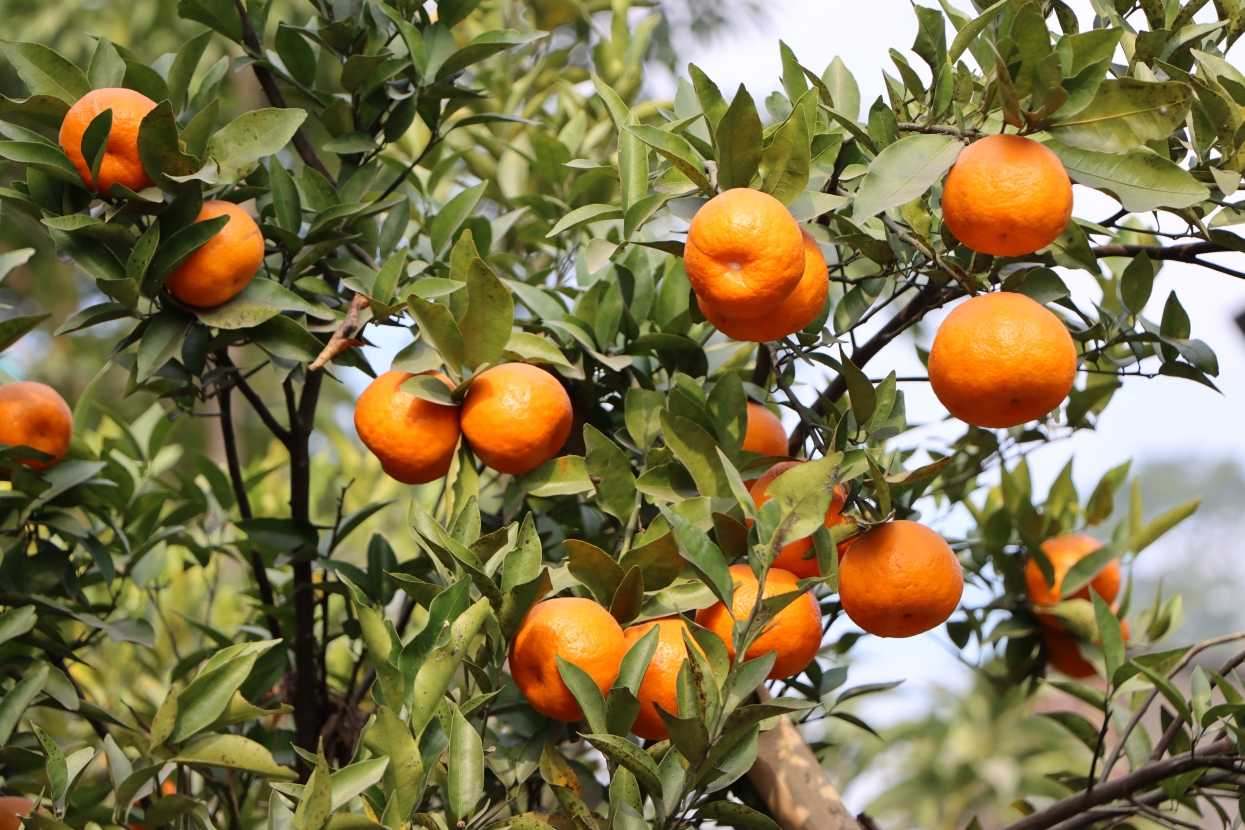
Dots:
pixel 515 417
pixel 218 270
pixel 583 633
pixel 1064 552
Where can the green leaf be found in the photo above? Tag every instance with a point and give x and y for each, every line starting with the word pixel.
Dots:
pixel 161 341
pixel 843 89
pixel 1166 688
pixel 401 781
pixel 285 200
pixel 1125 113
pixel 1141 180
pixel 95 142
pixel 452 215
pixel 286 338
pixel 739 816
pixel 233 752
pixel 438 670
pixel 712 104
pixel 175 250
pixel 238 146
pixel 533 348
pixel 261 300
pixel 737 138
pixel 1078 725
pixel 485 45
pixel 183 67
pixel 1109 631
pixel 466 767
pixel 658 560
pixel 862 394
pixel 45 71
pixel 1162 523
pixel 676 150
pixel 610 469
pixel 562 476
pixel 203 701
pixel 904 171
pixel 629 598
pixel 17 621
pixel 584 216
pixel 15 328
pixel 42 157
pixel 438 327
pixel 642 414
pixel 703 555
pixel 23 693
pixel 1136 283
pixel 594 569
pixel 486 325
pixel 626 754
pixel 786 162
pixel 164 721
pixel 804 493
pixel 106 69
pixel 970 31
pixel 586 692
pixel 695 448
pixel 158 147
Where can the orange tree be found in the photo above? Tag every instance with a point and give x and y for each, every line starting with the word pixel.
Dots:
pixel 591 446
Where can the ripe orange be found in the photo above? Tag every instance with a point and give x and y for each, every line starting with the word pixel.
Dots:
pixel 580 632
pixel 516 417
pixel 764 433
pixel 223 266
pixel 1007 196
pixel 1000 360
pixel 34 414
pixel 121 164
pixel 1064 653
pixel 1064 552
pixel 801 307
pixel 791 558
pixel 414 439
pixel 744 253
pixel 12 806
pixel 794 633
pixel 659 684
pixel 900 579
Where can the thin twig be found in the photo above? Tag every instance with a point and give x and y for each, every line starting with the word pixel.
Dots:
pixel 261 409
pixel 940 129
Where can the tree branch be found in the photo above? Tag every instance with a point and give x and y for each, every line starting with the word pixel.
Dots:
pixel 1178 720
pixel 273 92
pixel 1143 779
pixel 265 414
pixel 1179 253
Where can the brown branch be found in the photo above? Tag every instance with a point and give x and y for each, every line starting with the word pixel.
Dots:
pixel 1142 780
pixel 940 129
pixel 1179 253
pixel 344 337
pixel 927 299
pixel 1178 720
pixel 1152 799
pixel 273 92
pixel 261 409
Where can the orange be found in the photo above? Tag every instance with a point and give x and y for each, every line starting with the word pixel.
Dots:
pixel 1064 552
pixel 121 164
pixel 12 806
pixel 516 417
pixel 791 558
pixel 794 633
pixel 580 632
pixel 744 253
pixel 1064 653
pixel 1001 360
pixel 764 433
pixel 659 686
pixel 900 579
pixel 793 314
pixel 223 265
pixel 1007 196
pixel 414 439
pixel 34 415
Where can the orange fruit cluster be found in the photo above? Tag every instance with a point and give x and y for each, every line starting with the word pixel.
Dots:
pixel 1063 552
pixel 34 415
pixel 1000 360
pixel 900 579
pixel 515 417
pixel 758 276
pixel 583 633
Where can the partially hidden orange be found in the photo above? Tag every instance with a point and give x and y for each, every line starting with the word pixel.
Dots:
pixel 12 806
pixel 575 629
pixel 744 253
pixel 219 269
pixel 794 633
pixel 1000 360
pixel 33 414
pixel 801 307
pixel 1007 195
pixel 414 438
pixel 659 687
pixel 121 164
pixel 516 417
pixel 1064 552
pixel 791 558
pixel 900 579
pixel 764 433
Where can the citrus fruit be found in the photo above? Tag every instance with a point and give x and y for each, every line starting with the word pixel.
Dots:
pixel 900 579
pixel 1007 196
pixel 791 558
pixel 12 806
pixel 1000 360
pixel 414 439
pixel 744 253
pixel 575 629
pixel 801 307
pixel 121 164
pixel 223 265
pixel 764 433
pixel 659 685
pixel 516 417
pixel 34 414
pixel 794 633
pixel 1064 653
pixel 1064 552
